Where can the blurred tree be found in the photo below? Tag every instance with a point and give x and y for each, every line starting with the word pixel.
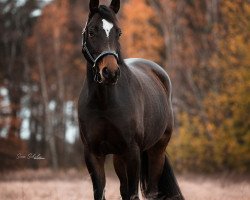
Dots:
pixel 15 26
pixel 204 45
pixel 190 42
pixel 224 99
pixel 56 51
pixel 51 43
pixel 141 31
pixel 230 108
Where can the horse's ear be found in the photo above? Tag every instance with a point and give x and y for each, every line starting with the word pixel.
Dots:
pixel 93 5
pixel 115 5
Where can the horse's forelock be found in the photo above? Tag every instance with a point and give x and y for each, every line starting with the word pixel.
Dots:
pixel 105 13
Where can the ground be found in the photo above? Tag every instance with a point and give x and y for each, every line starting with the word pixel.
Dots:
pixel 72 185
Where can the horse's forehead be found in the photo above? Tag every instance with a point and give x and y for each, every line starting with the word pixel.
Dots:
pixel 102 23
pixel 107 26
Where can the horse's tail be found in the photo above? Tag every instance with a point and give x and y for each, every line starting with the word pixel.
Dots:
pixel 168 187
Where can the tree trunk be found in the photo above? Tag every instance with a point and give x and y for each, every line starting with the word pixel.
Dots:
pixel 48 117
pixel 60 98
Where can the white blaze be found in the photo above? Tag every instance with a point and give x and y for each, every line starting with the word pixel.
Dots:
pixel 107 26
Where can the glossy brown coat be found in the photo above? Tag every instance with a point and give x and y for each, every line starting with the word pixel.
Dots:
pixel 133 120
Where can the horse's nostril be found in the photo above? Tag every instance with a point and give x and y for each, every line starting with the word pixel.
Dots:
pixel 110 76
pixel 118 72
pixel 105 72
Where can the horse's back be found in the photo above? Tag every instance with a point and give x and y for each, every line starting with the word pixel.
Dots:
pixel 156 90
pixel 140 66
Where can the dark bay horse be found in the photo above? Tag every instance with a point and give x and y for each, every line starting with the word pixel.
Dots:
pixel 124 109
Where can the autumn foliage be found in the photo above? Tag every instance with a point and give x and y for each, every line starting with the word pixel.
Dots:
pixel 203 45
pixel 141 32
pixel 221 141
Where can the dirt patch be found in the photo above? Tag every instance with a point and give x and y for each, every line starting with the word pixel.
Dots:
pixel 74 186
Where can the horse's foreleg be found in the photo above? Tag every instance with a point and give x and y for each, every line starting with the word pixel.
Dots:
pixel 120 170
pixel 132 160
pixel 95 165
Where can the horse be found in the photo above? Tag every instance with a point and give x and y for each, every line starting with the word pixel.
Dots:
pixel 124 109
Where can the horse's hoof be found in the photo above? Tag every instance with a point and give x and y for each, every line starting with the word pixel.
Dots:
pixel 135 197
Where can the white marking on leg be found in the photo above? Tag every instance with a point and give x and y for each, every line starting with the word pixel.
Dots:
pixel 107 26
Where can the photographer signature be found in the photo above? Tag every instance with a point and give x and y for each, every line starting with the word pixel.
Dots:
pixel 30 156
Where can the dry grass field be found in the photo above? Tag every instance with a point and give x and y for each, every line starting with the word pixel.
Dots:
pixel 72 185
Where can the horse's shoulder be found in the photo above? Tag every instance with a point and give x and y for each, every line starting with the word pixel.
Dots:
pixel 149 68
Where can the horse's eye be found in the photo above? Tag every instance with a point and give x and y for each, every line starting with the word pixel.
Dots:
pixel 119 31
pixel 91 34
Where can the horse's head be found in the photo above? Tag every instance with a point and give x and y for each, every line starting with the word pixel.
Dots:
pixel 101 41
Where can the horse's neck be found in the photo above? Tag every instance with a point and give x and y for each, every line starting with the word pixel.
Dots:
pixel 101 95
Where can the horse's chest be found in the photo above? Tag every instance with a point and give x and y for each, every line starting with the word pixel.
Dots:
pixel 106 133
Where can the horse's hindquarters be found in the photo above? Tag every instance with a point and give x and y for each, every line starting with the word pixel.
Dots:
pixel 156 94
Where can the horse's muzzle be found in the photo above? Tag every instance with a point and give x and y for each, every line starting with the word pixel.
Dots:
pixel 110 76
pixel 109 69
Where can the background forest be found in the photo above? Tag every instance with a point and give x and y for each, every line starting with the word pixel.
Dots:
pixel 204 45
